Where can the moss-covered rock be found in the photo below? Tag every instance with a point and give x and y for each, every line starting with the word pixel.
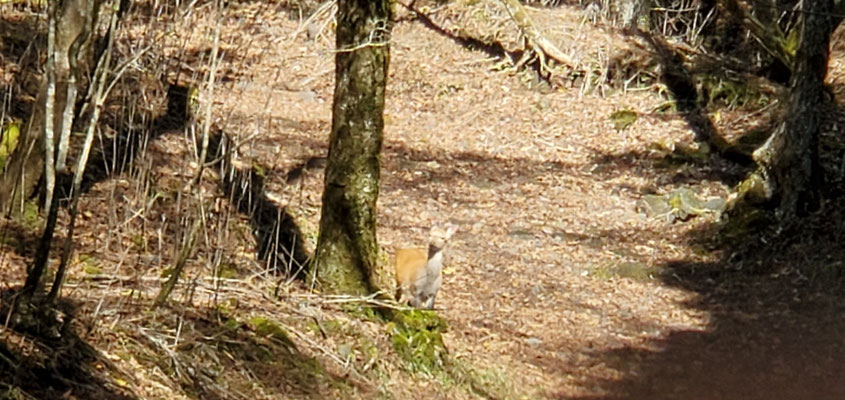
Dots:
pixel 680 204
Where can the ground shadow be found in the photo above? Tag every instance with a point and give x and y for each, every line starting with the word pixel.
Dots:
pixel 774 297
pixel 44 366
pixel 259 353
pixel 775 330
pixel 474 168
pixel 668 168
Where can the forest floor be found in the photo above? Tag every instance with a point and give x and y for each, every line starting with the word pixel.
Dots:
pixel 556 286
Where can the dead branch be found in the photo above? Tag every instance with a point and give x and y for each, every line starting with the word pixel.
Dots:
pixel 536 43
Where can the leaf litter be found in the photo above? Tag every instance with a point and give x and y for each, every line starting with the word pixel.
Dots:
pixel 541 183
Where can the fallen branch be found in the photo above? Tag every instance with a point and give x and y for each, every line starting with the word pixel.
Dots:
pixel 536 44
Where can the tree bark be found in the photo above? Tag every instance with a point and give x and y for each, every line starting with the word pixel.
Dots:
pixel 789 160
pixel 346 256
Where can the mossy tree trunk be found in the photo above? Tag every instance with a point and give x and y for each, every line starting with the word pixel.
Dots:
pixel 346 257
pixel 789 160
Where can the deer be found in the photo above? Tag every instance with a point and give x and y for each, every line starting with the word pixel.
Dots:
pixel 419 271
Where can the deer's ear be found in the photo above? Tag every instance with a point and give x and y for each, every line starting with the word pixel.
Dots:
pixel 451 230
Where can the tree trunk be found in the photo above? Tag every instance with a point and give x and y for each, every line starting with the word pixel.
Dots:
pixel 69 26
pixel 73 23
pixel 789 159
pixel 346 257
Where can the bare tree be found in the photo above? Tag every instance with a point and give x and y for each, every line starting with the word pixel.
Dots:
pixel 345 259
pixel 70 24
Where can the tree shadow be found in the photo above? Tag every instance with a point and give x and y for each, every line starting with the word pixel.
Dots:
pixel 43 366
pixel 281 244
pixel 447 169
pixel 696 83
pixel 775 330
pixel 57 362
pixel 667 169
pixel 678 79
pixel 492 49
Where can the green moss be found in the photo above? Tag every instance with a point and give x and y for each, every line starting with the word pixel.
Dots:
pixel 416 336
pixel 754 189
pixel 8 141
pixel 139 241
pixel 227 271
pixel 623 119
pixel 259 170
pixel 30 216
pixel 383 276
pixel 192 106
pixel 680 205
pixel 309 230
pixel 90 265
pixel 793 39
pixel 633 270
pixel 744 221
pixel 332 326
pixel 362 311
pixel 232 324
pixel 729 93
pixel 602 272
pixel 268 328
